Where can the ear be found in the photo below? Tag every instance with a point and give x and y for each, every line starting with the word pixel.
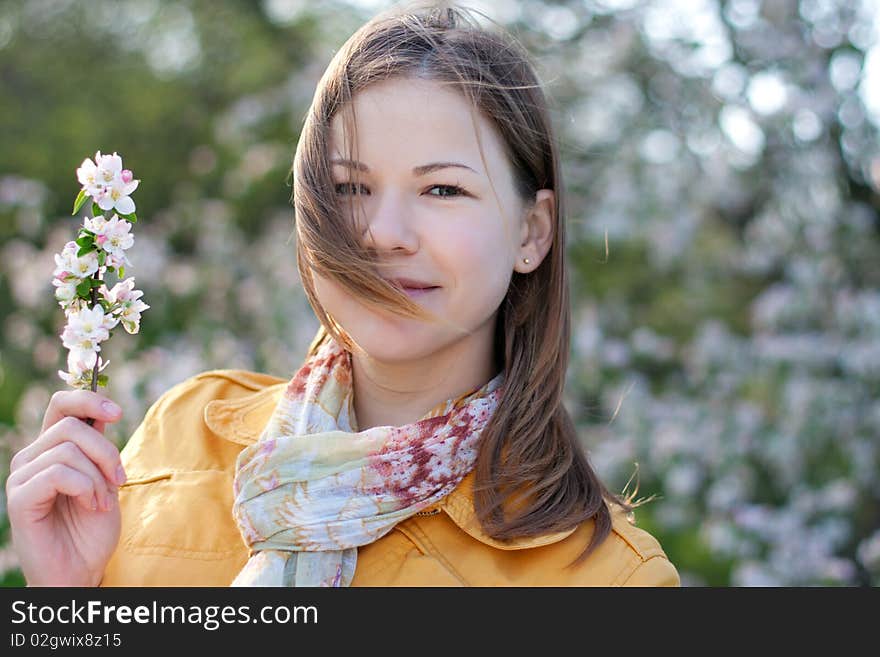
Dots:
pixel 536 234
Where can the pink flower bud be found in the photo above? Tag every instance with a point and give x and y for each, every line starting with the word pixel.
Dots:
pixel 127 176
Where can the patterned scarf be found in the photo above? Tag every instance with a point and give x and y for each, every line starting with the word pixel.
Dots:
pixel 312 489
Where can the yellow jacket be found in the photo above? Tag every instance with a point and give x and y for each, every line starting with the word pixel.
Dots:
pixel 178 529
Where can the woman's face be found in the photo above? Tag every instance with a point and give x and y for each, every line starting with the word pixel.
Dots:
pixel 443 226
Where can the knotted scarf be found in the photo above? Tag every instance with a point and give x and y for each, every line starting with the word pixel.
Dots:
pixel 312 488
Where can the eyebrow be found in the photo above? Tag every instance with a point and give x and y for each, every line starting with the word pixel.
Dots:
pixel 422 170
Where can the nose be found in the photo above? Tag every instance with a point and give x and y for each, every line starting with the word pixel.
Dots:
pixel 390 225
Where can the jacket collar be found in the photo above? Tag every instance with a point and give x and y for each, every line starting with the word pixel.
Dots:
pixel 242 420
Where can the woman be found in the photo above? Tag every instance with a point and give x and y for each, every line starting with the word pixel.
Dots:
pixel 423 441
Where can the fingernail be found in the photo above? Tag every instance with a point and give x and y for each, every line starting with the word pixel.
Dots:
pixel 111 408
pixel 120 475
pixel 94 501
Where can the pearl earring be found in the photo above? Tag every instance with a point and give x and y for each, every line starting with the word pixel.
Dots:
pixel 526 260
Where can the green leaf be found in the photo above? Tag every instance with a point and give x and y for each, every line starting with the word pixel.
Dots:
pixel 96 210
pixel 83 288
pixel 86 240
pixel 122 272
pixel 80 199
pixel 86 231
pixel 133 218
pixel 84 250
pixel 102 379
pixel 96 282
pixel 102 256
pixel 111 268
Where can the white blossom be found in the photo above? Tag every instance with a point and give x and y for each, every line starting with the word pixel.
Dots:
pixel 65 289
pixel 123 293
pixel 96 224
pixel 115 196
pixel 87 174
pixel 117 262
pixel 80 365
pixel 112 235
pixel 87 328
pixel 108 183
pixel 67 262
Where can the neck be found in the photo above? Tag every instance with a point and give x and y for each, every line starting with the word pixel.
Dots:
pixel 399 393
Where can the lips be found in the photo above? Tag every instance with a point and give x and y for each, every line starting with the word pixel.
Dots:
pixel 412 284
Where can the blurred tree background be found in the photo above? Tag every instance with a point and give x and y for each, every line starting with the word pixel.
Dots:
pixel 723 173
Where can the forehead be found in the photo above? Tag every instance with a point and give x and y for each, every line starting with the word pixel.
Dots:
pixel 408 122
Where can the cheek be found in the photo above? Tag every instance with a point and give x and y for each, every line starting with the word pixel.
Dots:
pixel 354 316
pixel 332 296
pixel 481 263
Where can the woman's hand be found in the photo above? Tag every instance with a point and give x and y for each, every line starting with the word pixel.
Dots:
pixel 62 496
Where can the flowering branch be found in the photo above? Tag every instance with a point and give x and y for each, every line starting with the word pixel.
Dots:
pixel 91 309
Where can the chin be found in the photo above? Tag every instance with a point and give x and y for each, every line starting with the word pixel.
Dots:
pixel 391 346
pixel 400 339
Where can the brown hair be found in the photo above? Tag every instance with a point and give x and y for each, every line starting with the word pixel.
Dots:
pixel 530 452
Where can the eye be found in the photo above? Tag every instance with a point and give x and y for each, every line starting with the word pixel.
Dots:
pixel 451 191
pixel 447 191
pixel 342 188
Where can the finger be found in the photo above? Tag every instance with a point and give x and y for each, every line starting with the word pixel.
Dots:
pixel 70 455
pixel 37 495
pixel 95 446
pixel 80 404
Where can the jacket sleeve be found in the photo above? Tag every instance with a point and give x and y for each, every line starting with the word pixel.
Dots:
pixel 654 571
pixel 176 525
